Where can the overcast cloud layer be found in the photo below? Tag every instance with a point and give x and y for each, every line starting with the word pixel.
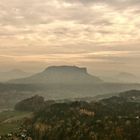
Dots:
pixel 103 35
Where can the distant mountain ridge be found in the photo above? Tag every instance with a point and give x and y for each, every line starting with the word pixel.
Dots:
pixel 60 75
pixel 122 77
pixel 13 74
pixel 127 77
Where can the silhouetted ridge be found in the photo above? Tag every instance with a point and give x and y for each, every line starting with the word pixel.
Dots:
pixel 30 104
pixel 134 94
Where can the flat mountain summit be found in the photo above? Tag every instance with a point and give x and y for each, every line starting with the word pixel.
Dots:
pixel 60 75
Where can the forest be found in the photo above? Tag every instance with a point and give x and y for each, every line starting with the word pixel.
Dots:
pixel 114 118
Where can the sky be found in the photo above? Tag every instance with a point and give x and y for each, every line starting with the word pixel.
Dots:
pixel 103 35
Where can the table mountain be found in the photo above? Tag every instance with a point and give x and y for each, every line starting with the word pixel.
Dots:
pixel 60 75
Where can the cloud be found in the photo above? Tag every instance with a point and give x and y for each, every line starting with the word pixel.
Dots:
pixel 62 29
pixel 121 3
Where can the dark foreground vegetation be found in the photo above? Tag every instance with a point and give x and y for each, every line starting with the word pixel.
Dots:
pixel 115 118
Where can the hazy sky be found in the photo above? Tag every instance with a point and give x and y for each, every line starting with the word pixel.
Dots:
pixel 103 35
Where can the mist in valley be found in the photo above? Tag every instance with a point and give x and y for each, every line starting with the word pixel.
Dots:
pixel 69 70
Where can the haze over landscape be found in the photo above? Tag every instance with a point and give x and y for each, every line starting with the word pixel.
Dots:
pixel 69 70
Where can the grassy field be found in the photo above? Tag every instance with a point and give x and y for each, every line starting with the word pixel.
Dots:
pixel 10 121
